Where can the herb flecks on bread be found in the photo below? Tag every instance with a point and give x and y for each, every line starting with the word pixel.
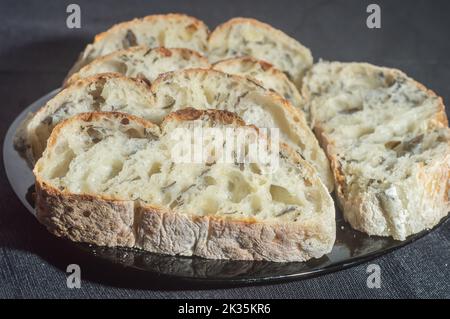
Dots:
pixel 161 30
pixel 388 141
pixel 249 37
pixel 142 62
pixel 266 74
pixel 206 89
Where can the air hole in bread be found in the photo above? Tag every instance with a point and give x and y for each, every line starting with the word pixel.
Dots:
pixel 133 133
pixel 255 168
pixel 62 164
pixel 154 169
pixel 209 180
pixel 209 206
pixel 113 66
pixel 282 195
pixel 238 187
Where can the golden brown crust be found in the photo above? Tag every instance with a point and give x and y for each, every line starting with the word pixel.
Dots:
pixel 219 116
pixel 264 64
pixel 256 23
pixel 196 23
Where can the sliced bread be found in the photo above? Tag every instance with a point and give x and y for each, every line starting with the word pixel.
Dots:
pixel 249 37
pixel 110 179
pixel 162 30
pixel 142 62
pixel 264 73
pixel 212 89
pixel 105 92
pixel 388 141
pixel 207 89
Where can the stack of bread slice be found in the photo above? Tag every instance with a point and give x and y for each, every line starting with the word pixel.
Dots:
pixel 101 148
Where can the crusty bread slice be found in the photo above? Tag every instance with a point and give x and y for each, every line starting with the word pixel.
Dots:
pixel 250 37
pixel 212 89
pixel 162 30
pixel 142 62
pixel 110 179
pixel 388 141
pixel 266 74
pixel 104 92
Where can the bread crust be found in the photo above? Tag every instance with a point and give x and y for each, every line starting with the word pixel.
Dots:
pixel 216 238
pixel 150 19
pixel 107 221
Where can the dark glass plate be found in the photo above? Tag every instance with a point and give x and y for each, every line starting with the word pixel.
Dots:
pixel 351 247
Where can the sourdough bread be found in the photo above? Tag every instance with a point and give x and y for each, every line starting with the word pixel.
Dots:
pixel 388 141
pixel 212 89
pixel 109 179
pixel 104 92
pixel 142 62
pixel 162 30
pixel 249 37
pixel 264 73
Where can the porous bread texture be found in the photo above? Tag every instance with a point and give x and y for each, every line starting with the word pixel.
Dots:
pixel 207 89
pixel 212 89
pixel 388 141
pixel 109 179
pixel 266 74
pixel 249 37
pixel 104 92
pixel 162 30
pixel 142 62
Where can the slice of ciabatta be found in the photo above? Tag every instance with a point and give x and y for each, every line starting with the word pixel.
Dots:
pixel 266 74
pixel 249 37
pixel 142 62
pixel 162 30
pixel 105 92
pixel 110 179
pixel 388 141
pixel 212 89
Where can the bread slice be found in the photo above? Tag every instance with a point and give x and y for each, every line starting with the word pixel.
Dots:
pixel 105 92
pixel 250 37
pixel 211 89
pixel 388 141
pixel 110 179
pixel 142 62
pixel 162 30
pixel 264 73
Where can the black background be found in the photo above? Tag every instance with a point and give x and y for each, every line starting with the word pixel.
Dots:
pixel 36 50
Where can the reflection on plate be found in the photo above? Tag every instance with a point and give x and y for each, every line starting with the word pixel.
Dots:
pixel 351 247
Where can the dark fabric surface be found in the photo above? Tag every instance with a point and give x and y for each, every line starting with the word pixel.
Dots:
pixel 36 50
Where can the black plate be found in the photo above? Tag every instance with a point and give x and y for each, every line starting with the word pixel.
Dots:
pixel 351 247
